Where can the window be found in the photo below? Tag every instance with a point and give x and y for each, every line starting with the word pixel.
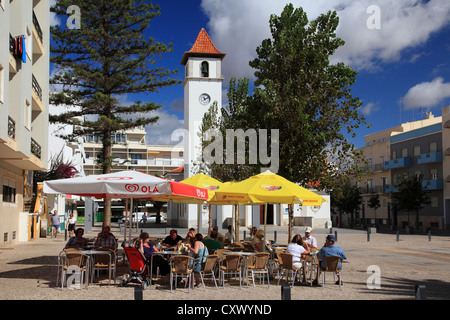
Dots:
pixel 205 69
pixel 434 202
pixel 433 147
pixel 404 152
pixel 9 191
pixel 416 151
pixel 433 174
pixel 394 155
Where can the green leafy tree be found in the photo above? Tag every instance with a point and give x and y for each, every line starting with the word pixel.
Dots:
pixel 374 203
pixel 410 196
pixel 346 197
pixel 299 92
pixel 108 57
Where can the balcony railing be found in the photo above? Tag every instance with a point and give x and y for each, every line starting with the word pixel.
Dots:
pixel 38 28
pixel 437 184
pixel 35 148
pixel 36 87
pixel 12 44
pixel 397 163
pixel 429 157
pixel 11 128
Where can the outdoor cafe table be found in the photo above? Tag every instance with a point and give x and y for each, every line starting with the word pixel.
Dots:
pixel 91 262
pixel 246 255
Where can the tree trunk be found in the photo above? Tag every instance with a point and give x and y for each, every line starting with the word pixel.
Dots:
pixel 106 168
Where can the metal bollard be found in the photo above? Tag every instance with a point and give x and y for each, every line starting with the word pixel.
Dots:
pixel 335 235
pixel 420 292
pixel 368 235
pixel 138 293
pixel 245 234
pixel 275 236
pixel 398 236
pixel 429 235
pixel 286 292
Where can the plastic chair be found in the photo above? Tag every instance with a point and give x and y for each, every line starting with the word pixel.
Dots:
pixel 231 264
pixel 260 266
pixel 105 262
pixel 210 264
pixel 73 262
pixel 332 265
pixel 180 265
pixel 286 264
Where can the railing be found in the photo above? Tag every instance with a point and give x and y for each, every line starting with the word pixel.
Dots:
pixel 38 28
pixel 11 128
pixel 36 87
pixel 12 44
pixel 35 148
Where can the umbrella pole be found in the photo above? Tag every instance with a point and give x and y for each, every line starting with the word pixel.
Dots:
pixel 131 221
pixel 265 224
pixel 210 218
pixel 125 222
pixel 199 215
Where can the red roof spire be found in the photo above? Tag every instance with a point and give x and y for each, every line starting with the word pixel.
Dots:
pixel 203 47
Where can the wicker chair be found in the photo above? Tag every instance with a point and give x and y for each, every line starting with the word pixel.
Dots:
pixel 286 264
pixel 181 265
pixel 72 262
pixel 332 265
pixel 105 262
pixel 260 266
pixel 231 265
pixel 209 269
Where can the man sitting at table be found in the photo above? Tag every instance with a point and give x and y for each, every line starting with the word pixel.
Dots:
pixel 78 241
pixel 216 235
pixel 172 239
pixel 106 239
pixel 329 249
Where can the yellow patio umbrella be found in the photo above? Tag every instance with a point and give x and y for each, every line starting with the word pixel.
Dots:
pixel 203 181
pixel 268 188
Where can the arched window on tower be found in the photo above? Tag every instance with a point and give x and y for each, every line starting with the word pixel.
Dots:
pixel 205 69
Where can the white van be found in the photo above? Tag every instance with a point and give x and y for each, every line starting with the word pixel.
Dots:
pixel 137 217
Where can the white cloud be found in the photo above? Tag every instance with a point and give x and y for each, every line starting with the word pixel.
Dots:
pixel 160 133
pixel 428 94
pixel 369 108
pixel 238 27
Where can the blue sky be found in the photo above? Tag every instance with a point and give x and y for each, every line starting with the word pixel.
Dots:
pixel 400 49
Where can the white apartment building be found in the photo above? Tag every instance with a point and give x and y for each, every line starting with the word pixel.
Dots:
pixel 131 152
pixel 24 92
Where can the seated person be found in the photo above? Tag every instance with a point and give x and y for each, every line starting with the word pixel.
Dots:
pixel 212 245
pixel 216 235
pixel 149 250
pixel 252 235
pixel 106 239
pixel 298 248
pixel 229 236
pixel 172 239
pixel 329 249
pixel 258 242
pixel 77 241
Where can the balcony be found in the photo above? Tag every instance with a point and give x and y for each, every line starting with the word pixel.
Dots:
pixel 397 163
pixel 13 60
pixel 36 95
pixel 388 188
pixel 11 128
pixel 437 184
pixel 35 148
pixel 38 37
pixel 429 157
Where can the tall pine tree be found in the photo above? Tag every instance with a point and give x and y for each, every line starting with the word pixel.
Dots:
pixel 108 57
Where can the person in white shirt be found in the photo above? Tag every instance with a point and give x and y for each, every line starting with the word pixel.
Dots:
pixel 298 248
pixel 309 239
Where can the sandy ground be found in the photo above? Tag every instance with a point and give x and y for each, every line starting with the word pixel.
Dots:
pixel 382 269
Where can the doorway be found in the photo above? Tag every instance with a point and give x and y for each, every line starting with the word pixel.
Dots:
pixel 269 214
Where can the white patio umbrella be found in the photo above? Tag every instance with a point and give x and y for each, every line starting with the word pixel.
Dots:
pixel 124 185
